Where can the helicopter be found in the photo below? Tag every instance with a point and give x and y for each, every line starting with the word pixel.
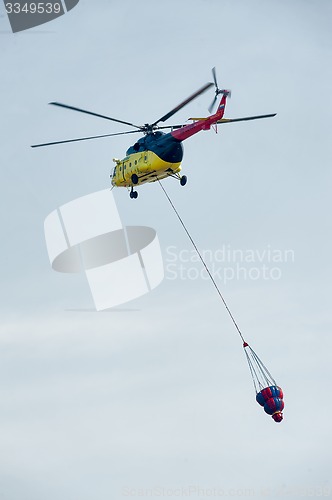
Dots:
pixel 158 155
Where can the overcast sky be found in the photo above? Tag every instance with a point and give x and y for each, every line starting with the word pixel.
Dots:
pixel 154 399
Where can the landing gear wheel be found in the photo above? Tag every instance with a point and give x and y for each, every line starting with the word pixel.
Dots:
pixel 133 194
pixel 134 179
pixel 183 180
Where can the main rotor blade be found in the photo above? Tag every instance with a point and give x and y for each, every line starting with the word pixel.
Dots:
pixel 66 106
pixel 84 139
pixel 172 126
pixel 228 120
pixel 183 103
pixel 223 120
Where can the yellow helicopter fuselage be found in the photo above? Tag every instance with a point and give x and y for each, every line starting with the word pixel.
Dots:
pixel 154 156
pixel 147 165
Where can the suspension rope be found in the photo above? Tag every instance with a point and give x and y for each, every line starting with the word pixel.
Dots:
pixel 252 372
pixel 260 375
pixel 204 264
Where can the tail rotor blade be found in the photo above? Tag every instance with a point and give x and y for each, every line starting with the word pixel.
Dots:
pixel 215 77
pixel 217 91
pixel 212 104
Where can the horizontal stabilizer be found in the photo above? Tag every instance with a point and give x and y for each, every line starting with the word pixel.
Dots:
pixel 199 119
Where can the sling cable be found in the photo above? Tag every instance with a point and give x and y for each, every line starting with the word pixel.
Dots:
pixel 268 394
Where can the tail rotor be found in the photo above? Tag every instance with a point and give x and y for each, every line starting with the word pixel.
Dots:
pixel 218 91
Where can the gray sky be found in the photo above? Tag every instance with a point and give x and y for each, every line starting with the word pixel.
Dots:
pixel 155 397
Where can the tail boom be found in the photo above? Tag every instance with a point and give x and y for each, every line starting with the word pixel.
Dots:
pixel 187 131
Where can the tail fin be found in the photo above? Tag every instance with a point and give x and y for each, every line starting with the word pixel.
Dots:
pixel 221 108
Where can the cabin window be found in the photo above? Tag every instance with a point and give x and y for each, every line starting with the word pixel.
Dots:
pixel 145 158
pixel 135 162
pixel 130 164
